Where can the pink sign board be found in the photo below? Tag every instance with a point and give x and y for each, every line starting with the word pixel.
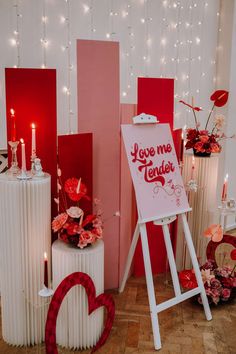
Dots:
pixel 155 172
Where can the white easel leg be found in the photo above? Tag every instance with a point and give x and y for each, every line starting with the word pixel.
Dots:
pixel 130 258
pixel 171 259
pixel 193 256
pixel 150 287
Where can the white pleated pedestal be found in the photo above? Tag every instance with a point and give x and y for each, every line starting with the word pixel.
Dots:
pixel 202 202
pixel 75 329
pixel 25 234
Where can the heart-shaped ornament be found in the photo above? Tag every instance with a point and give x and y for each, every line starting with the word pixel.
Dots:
pixel 106 300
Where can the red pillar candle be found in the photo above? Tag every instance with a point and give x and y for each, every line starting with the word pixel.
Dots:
pixel 225 188
pixel 45 270
pixel 13 125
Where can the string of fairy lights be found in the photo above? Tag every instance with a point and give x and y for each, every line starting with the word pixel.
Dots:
pixel 178 44
pixel 15 40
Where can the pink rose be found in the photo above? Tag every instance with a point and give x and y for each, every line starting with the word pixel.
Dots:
pixel 98 232
pixel 215 284
pixel 59 221
pixel 87 236
pixel 215 147
pixel 225 294
pixel 199 146
pixel 82 243
pixel 74 212
pixel 204 138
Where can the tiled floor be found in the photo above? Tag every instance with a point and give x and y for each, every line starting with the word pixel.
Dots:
pixel 183 327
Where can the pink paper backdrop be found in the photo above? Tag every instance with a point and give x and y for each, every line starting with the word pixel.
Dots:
pixel 98 112
pixel 127 199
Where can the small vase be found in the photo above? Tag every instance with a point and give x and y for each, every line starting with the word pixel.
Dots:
pixel 201 154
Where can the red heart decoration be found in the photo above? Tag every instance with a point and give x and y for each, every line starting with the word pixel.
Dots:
pixel 212 246
pixel 106 300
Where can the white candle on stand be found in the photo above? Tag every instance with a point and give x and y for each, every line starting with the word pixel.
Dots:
pixel 225 188
pixel 33 151
pixel 23 162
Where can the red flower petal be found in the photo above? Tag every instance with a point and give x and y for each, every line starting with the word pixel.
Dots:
pixel 71 185
pixel 192 107
pixel 88 219
pixel 220 97
pixel 233 255
pixel 187 279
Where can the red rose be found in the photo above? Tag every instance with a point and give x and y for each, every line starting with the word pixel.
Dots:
pixel 225 294
pixel 73 228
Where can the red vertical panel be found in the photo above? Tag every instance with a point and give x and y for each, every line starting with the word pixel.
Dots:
pixel 156 96
pixel 98 112
pixel 32 94
pixel 75 158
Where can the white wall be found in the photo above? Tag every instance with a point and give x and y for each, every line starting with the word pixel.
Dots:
pixel 177 39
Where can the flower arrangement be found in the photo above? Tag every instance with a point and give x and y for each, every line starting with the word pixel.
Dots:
pixel 73 225
pixel 204 142
pixel 219 281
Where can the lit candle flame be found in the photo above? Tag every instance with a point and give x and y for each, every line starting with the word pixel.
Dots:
pixel 45 256
pixel 226 177
pixel 22 141
pixel 33 126
pixel 193 160
pixel 12 111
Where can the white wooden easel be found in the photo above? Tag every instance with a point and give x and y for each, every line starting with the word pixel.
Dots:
pixel 179 297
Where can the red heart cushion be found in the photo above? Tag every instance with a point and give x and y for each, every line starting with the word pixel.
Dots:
pixel 77 278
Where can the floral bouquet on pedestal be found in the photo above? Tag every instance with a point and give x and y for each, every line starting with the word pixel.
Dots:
pixel 73 225
pixel 219 281
pixel 204 141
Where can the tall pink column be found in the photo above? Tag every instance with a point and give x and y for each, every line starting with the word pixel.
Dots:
pixel 98 112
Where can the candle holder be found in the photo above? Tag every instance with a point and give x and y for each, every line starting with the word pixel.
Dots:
pixel 224 204
pixel 24 175
pixel 14 169
pixel 33 157
pixel 45 292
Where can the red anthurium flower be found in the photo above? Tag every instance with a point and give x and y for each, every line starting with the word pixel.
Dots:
pixel 220 97
pixel 88 220
pixel 233 255
pixel 71 188
pixel 187 279
pixel 214 231
pixel 190 106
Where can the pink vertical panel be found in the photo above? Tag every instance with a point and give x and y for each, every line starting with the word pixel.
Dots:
pixel 128 215
pixel 98 112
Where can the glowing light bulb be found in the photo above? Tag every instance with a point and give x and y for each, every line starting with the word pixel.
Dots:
pixel 163 41
pixel 142 20
pixel 198 40
pixel 124 94
pixel 62 19
pixel 108 35
pixel 13 42
pixel 86 8
pixel 44 19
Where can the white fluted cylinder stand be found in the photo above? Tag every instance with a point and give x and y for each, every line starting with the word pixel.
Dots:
pixel 25 234
pixel 202 202
pixel 75 329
